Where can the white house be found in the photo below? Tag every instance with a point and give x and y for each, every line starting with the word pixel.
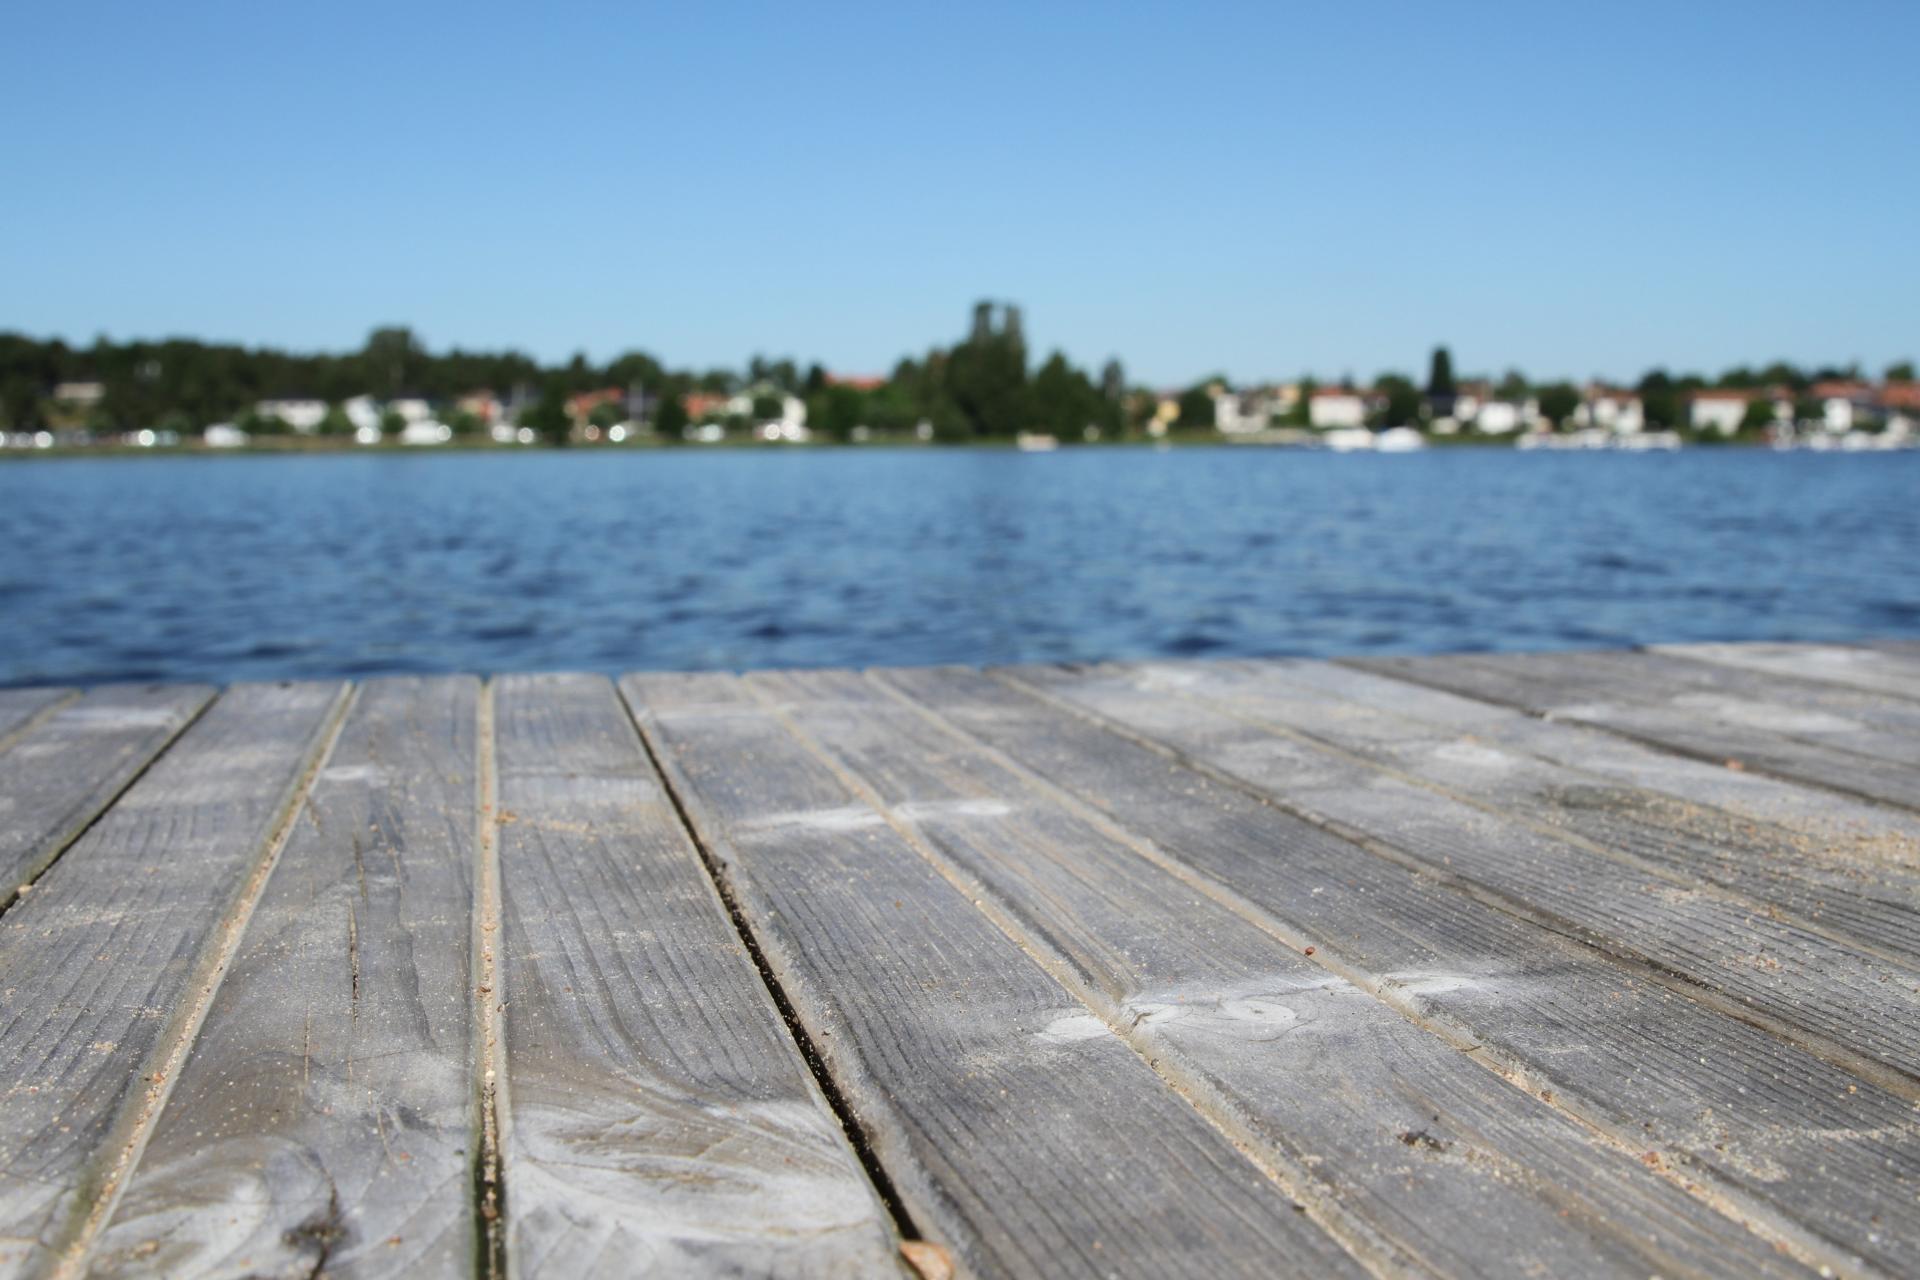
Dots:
pixel 425 431
pixel 793 410
pixel 362 412
pixel 410 408
pixel 1844 405
pixel 1336 407
pixel 1467 399
pixel 1241 412
pixel 80 395
pixel 223 435
pixel 1719 409
pixel 300 414
pixel 1500 417
pixel 1610 409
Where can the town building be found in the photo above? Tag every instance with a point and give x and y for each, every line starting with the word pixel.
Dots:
pixel 302 414
pixel 1720 409
pixel 704 406
pixel 410 408
pixel 1332 407
pixel 580 407
pixel 1612 409
pixel 792 416
pixel 1242 412
pixel 362 414
pixel 1900 402
pixel 482 405
pixel 79 395
pixel 1499 417
pixel 1845 404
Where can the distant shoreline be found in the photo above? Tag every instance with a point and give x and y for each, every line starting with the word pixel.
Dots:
pixel 307 447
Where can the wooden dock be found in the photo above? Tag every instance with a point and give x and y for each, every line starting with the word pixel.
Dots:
pixel 1516 965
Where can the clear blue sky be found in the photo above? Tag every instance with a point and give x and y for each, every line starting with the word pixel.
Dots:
pixel 1260 189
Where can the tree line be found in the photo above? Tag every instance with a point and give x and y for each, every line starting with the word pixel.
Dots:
pixel 982 385
pixel 979 386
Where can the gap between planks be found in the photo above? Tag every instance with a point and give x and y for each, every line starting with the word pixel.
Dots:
pixel 490 1009
pixel 11 734
pixel 1319 744
pixel 1730 1201
pixel 10 894
pixel 1413 672
pixel 1364 1243
pixel 1676 980
pixel 71 1263
pixel 856 1132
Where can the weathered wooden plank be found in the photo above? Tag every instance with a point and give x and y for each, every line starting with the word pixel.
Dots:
pixel 1813 987
pixel 657 1118
pixel 1834 862
pixel 1820 1155
pixel 1836 737
pixel 324 1120
pixel 1404 1139
pixel 105 967
pixel 18 707
pixel 59 775
pixel 1023 1147
pixel 1872 670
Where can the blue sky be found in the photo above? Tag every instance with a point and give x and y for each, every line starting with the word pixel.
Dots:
pixel 1258 189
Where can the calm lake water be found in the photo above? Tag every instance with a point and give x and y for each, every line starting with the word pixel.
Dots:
pixel 256 567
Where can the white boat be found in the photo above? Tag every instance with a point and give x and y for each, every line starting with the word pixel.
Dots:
pixel 1348 439
pixel 1036 442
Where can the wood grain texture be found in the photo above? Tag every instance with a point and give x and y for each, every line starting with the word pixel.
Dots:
pixel 1418 1154
pixel 1872 670
pixel 1829 861
pixel 323 1122
pixel 657 1116
pixel 101 966
pixel 1817 989
pixel 60 773
pixel 1022 1145
pixel 18 707
pixel 1853 741
pixel 1822 1159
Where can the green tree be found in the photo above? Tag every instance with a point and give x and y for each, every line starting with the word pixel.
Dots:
pixel 19 403
pixel 1063 399
pixel 1782 374
pixel 635 369
pixel 606 414
pixel 837 410
pixel 1660 401
pixel 1440 373
pixel 1758 416
pixel 1301 415
pixel 1900 371
pixel 393 360
pixel 1196 407
pixel 768 408
pixel 548 417
pixel 987 374
pixel 1558 401
pixel 670 418
pixel 1402 401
